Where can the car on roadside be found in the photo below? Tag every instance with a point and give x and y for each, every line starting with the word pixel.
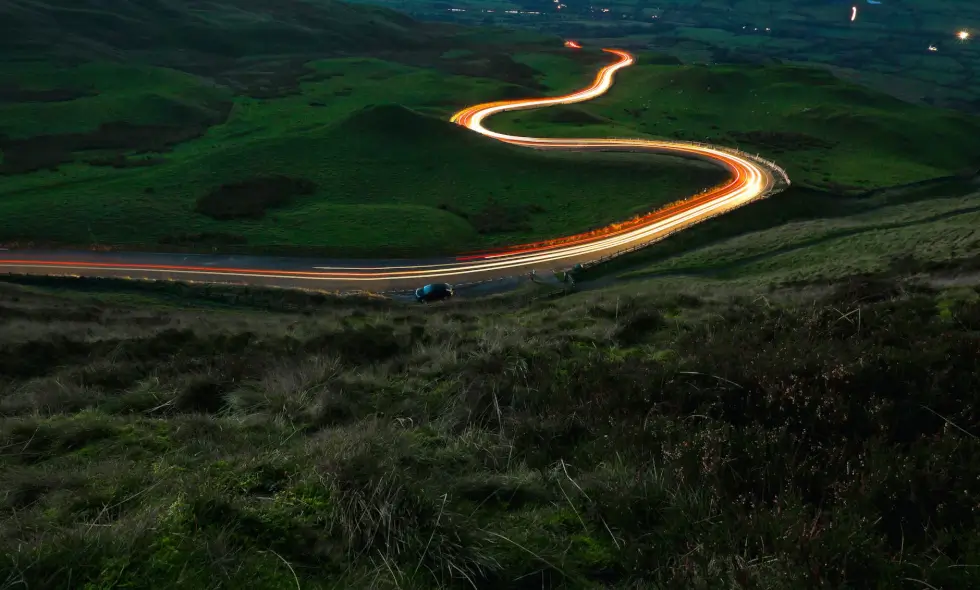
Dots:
pixel 434 292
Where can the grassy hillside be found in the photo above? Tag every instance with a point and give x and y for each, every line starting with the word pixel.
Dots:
pixel 619 441
pixel 827 133
pixel 240 126
pixel 97 93
pixel 769 402
pixel 384 179
pixel 347 156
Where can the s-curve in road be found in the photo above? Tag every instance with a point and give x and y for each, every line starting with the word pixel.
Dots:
pixel 751 178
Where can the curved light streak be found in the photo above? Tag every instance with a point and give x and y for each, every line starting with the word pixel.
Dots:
pixel 751 178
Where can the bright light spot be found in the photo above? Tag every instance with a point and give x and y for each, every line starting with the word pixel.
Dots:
pixel 573 45
pixel 933 48
pixel 963 35
pixel 854 13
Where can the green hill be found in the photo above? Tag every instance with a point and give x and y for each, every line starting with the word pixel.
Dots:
pixel 276 126
pixel 828 133
pixel 384 180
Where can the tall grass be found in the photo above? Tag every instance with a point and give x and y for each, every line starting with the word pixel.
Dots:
pixel 652 440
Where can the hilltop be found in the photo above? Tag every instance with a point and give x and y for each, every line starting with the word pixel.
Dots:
pixel 257 47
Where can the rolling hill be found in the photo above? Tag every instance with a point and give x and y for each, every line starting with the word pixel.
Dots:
pixel 384 180
pixel 828 133
pixel 305 132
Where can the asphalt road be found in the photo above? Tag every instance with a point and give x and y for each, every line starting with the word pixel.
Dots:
pixel 751 179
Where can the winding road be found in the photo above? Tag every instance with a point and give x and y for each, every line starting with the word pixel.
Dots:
pixel 751 178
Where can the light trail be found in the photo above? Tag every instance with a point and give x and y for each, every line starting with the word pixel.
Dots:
pixel 751 179
pixel 854 13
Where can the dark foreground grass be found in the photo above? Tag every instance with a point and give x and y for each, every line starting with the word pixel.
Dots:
pixel 650 441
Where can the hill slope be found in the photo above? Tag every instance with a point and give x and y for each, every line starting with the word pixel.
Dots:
pixel 645 440
pixel 384 180
pixel 828 133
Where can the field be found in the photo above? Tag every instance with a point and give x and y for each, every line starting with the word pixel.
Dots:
pixel 160 435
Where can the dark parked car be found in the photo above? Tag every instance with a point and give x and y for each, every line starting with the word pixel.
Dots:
pixel 434 292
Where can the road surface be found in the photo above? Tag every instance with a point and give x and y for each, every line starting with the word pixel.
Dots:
pixel 751 178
